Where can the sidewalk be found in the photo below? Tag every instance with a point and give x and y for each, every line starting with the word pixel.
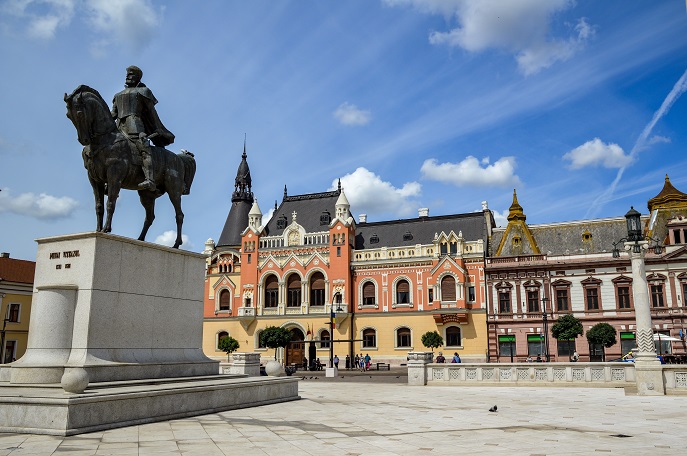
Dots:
pixel 381 418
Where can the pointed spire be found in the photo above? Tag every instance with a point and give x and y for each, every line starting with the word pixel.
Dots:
pixel 339 185
pixel 342 205
pixel 285 194
pixel 275 205
pixel 243 182
pixel 515 210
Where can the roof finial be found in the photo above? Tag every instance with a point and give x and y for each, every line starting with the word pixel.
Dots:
pixel 339 185
pixel 244 145
pixel 275 205
pixel 285 195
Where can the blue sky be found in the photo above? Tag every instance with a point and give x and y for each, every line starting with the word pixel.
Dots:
pixel 442 104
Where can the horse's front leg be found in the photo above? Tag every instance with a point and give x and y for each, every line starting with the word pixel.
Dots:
pixel 175 198
pixel 148 201
pixel 99 194
pixel 112 195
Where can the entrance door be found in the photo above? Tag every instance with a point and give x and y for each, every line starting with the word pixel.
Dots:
pixel 295 351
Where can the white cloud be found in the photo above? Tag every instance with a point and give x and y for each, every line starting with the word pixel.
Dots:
pixel 369 194
pixel 501 218
pixel 597 153
pixel 349 114
pixel 43 17
pixel 473 172
pixel 520 27
pixel 42 206
pixel 168 237
pixel 129 22
pixel 132 22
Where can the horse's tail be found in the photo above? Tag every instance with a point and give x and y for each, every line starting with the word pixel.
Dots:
pixel 189 169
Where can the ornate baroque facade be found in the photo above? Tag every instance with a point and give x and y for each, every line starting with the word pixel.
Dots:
pixel 568 268
pixel 387 282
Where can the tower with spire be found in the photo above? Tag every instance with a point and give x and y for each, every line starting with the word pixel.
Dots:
pixel 241 203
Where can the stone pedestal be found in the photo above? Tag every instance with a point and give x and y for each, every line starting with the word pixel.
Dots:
pixel 244 364
pixel 332 372
pixel 417 370
pixel 649 376
pixel 118 308
pixel 115 340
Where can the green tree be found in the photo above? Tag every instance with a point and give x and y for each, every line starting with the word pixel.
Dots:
pixel 275 337
pixel 567 328
pixel 602 334
pixel 432 339
pixel 228 345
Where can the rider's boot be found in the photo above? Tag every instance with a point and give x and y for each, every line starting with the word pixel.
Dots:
pixel 149 182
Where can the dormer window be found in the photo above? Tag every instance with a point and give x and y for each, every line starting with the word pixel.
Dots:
pixel 586 236
pixel 281 222
pixel 374 239
pixel 407 236
pixel 325 218
pixel 516 241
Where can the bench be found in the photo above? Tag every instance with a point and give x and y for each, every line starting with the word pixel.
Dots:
pixel 386 366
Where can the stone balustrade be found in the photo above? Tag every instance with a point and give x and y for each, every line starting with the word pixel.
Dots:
pixel 422 371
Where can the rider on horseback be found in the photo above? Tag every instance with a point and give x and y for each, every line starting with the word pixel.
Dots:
pixel 134 110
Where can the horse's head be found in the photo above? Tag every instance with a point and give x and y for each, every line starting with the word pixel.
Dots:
pixel 89 113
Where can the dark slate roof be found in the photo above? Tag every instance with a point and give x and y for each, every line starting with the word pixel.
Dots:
pixel 237 221
pixel 566 238
pixel 17 271
pixel 308 209
pixel 422 229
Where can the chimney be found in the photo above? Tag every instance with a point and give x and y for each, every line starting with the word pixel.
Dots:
pixel 362 218
pixel 4 255
pixel 423 212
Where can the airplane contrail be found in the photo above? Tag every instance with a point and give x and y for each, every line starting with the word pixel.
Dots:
pixel 678 89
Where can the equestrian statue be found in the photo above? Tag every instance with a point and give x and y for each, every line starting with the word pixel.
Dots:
pixel 117 152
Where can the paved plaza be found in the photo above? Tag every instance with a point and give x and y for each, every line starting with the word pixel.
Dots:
pixel 359 415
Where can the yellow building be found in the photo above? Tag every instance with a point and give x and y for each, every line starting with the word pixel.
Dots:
pixel 16 291
pixel 384 284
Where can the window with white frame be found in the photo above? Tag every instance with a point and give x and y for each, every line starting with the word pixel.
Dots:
pixel 369 338
pixel 403 338
pixel 453 337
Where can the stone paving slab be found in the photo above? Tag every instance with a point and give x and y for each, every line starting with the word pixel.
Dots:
pixel 388 418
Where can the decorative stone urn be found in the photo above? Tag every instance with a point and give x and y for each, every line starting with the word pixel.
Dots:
pixel 273 368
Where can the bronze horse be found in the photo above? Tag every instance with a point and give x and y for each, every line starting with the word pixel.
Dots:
pixel 109 159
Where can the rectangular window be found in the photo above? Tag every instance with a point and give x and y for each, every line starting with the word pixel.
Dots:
pixel 623 297
pixel 657 295
pixel 562 299
pixel 338 251
pixel 403 339
pixel 533 301
pixel 678 236
pixel 443 248
pixel 369 340
pixel 454 248
pixel 627 342
pixel 566 348
pixel 10 351
pixel 294 298
pixel 535 345
pixel 13 312
pixel 507 345
pixel 684 293
pixel 403 297
pixel 592 298
pixel 471 294
pixel 271 297
pixel 317 297
pixel 431 296
pixel 504 302
pixel 249 258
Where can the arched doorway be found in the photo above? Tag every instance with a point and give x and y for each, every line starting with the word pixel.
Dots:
pixel 295 351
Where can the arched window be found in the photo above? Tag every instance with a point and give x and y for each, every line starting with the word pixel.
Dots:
pixel 369 338
pixel 293 291
pixel 369 294
pixel 221 335
pixel 317 289
pixel 325 338
pixel 402 292
pixel 225 300
pixel 272 291
pixel 453 338
pixel 448 288
pixel 403 338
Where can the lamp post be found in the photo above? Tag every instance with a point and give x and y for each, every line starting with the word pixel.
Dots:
pixel 545 324
pixel 332 316
pixel 648 369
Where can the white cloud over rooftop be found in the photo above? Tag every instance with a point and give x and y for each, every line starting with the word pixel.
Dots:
pixel 472 172
pixel 597 153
